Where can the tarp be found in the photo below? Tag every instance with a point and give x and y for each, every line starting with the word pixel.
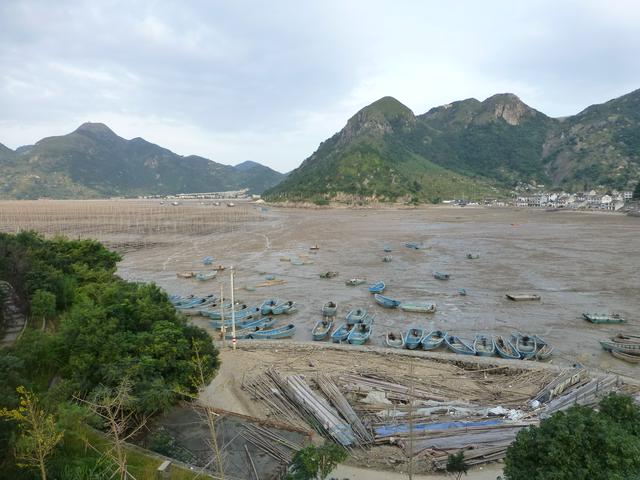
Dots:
pixel 389 430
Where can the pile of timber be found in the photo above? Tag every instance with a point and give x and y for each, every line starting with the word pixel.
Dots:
pixel 588 394
pixel 561 383
pixel 274 445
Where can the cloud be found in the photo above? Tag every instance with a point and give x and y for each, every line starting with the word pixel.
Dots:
pixel 269 81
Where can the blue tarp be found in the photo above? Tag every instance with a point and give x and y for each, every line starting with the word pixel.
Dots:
pixel 404 428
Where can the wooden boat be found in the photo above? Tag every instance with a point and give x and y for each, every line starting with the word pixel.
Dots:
pixel 195 302
pixel 242 324
pixel 433 339
pixel 413 337
pixel 457 345
pixel 604 318
pixel 329 274
pixel 525 345
pixel 414 245
pixel 626 338
pixel 441 276
pixel 387 248
pixel 218 268
pixel 329 309
pixel 394 339
pixel 628 348
pixel 418 307
pixel 377 287
pixel 204 276
pixel 387 258
pixel 341 333
pixel 238 315
pixel 386 302
pixel 356 316
pixel 462 292
pixel 280 332
pixel 207 260
pixel 354 282
pixel 185 274
pixel 505 348
pixel 283 307
pixel 626 357
pixel 314 247
pixel 484 346
pixel 248 329
pixel 523 297
pixel 472 256
pixel 544 350
pixel 267 306
pixel 360 333
pixel 321 329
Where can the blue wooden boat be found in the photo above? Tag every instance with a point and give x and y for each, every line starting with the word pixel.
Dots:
pixel 284 307
pixel 204 276
pixel 330 309
pixel 413 337
pixel 418 307
pixel 321 329
pixel 505 348
pixel 249 328
pixel 267 306
pixel 458 345
pixel 414 245
pixel 207 260
pixel 196 304
pixel 241 324
pixel 238 315
pixel 360 333
pixel 368 318
pixel 387 248
pixel 543 349
pixel 433 339
pixel 462 292
pixel 341 333
pixel 441 276
pixel 525 345
pixel 386 302
pixel 355 316
pixel 280 332
pixel 183 302
pixel 394 339
pixel 484 346
pixel 377 287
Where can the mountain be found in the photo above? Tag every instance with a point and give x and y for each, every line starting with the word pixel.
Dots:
pixel 469 148
pixel 94 162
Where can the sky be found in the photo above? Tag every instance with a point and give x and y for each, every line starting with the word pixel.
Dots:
pixel 269 80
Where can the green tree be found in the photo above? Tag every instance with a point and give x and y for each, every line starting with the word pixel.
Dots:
pixel 456 465
pixel 316 463
pixel 636 192
pixel 579 444
pixel 43 305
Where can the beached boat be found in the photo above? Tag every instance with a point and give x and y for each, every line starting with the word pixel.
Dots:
pixel 626 357
pixel 413 337
pixel 387 258
pixel 329 309
pixel 625 338
pixel 245 313
pixel 604 317
pixel 505 348
pixel 341 333
pixel 458 345
pixel 543 349
pixel 356 315
pixel 377 287
pixel 441 276
pixel 207 260
pixel 387 248
pixel 462 292
pixel 193 303
pixel 267 306
pixel 484 346
pixel 472 256
pixel 523 297
pixel 321 329
pixel 628 348
pixel 283 307
pixel 218 268
pixel 249 328
pixel 386 302
pixel 329 274
pixel 360 333
pixel 433 339
pixel 314 248
pixel 418 307
pixel 525 345
pixel 414 245
pixel 394 339
pixel 354 282
pixel 280 332
pixel 185 274
pixel 241 324
pixel 204 276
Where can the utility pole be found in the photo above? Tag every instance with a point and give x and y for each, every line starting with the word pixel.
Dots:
pixel 222 328
pixel 410 470
pixel 233 314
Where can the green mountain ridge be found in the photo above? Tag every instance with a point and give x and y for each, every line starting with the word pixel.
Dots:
pixel 469 148
pixel 94 162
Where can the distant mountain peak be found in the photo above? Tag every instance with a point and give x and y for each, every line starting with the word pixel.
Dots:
pixel 96 130
pixel 509 107
pixel 247 165
pixel 379 118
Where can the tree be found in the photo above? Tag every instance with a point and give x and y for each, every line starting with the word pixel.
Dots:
pixel 316 462
pixel 636 192
pixel 39 433
pixel 456 465
pixel 579 444
pixel 43 305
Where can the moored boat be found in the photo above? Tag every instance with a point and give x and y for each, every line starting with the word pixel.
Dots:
pixel 543 349
pixel 267 306
pixel 458 345
pixel 387 258
pixel 204 276
pixel 356 315
pixel 280 332
pixel 354 282
pixel 249 328
pixel 386 302
pixel 525 345
pixel 245 313
pixel 377 287
pixel 207 260
pixel 394 339
pixel 628 348
pixel 626 356
pixel 484 346
pixel 441 276
pixel 284 307
pixel 433 339
pixel 414 245
pixel 341 333
pixel 329 309
pixel 472 256
pixel 185 274
pixel 523 297
pixel 413 337
pixel 604 317
pixel 418 307
pixel 387 248
pixel 242 324
pixel 360 333
pixel 329 274
pixel 462 292
pixel 321 329
pixel 505 348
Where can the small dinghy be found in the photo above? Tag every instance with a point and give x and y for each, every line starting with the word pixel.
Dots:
pixel 329 274
pixel 185 274
pixel 386 302
pixel 462 292
pixel 283 307
pixel 614 346
pixel 354 282
pixel 626 357
pixel 280 332
pixel 433 339
pixel 394 339
pixel 341 333
pixel 414 245
pixel 355 316
pixel 267 306
pixel 525 345
pixel 377 287
pixel 604 318
pixel 207 260
pixel 413 337
pixel 441 276
pixel 543 349
pixel 505 348
pixel 387 258
pixel 241 312
pixel 321 329
pixel 248 329
pixel 418 307
pixel 484 346
pixel 329 309
pixel 472 256
pixel 458 345
pixel 360 332
pixel 387 248
pixel 204 276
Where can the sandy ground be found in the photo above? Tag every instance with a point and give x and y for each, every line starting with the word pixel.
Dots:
pixel 576 261
pixel 488 472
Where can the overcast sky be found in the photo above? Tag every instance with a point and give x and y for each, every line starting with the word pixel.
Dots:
pixel 269 80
